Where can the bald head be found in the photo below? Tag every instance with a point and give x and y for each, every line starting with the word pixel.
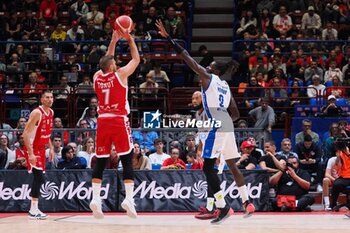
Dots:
pixel 197 99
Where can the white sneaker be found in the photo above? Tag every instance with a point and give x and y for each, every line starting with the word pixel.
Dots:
pixel 129 206
pixel 37 215
pixel 319 188
pixel 96 207
pixel 327 208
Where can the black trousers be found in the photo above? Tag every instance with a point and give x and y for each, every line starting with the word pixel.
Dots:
pixel 339 186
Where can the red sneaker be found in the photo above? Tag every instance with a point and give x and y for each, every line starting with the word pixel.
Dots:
pixel 205 214
pixel 223 214
pixel 249 209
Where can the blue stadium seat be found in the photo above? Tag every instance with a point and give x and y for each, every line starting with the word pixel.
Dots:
pixel 328 83
pixel 313 102
pixel 156 166
pixel 341 102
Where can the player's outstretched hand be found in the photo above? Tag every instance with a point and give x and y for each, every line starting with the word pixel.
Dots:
pixel 124 35
pixel 116 35
pixel 161 28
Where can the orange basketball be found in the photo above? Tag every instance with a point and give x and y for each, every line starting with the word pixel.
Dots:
pixel 124 23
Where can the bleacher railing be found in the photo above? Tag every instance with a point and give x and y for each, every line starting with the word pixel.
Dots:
pixel 274 43
pixel 166 134
pixel 176 100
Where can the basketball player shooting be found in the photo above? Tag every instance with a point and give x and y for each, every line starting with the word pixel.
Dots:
pixel 219 105
pixel 111 87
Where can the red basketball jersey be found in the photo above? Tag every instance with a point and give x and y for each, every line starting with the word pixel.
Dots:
pixel 112 94
pixel 41 135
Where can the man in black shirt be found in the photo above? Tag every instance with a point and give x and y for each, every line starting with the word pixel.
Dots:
pixel 310 155
pixel 270 161
pixel 293 181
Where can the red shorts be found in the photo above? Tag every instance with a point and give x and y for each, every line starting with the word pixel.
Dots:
pixel 113 130
pixel 40 155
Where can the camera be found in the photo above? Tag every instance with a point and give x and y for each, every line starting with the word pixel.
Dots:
pixel 289 165
pixel 341 142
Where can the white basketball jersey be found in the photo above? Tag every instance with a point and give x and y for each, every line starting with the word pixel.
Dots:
pixel 216 99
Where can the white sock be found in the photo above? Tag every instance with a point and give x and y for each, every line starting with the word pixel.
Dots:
pixel 326 201
pixel 34 206
pixel 129 191
pixel 243 192
pixel 96 191
pixel 220 200
pixel 210 203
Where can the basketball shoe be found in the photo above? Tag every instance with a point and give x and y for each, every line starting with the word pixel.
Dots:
pixel 96 207
pixel 223 214
pixel 205 214
pixel 249 209
pixel 129 206
pixel 37 215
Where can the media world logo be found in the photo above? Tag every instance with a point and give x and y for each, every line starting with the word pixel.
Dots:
pixel 52 191
pixel 199 190
pixel 155 119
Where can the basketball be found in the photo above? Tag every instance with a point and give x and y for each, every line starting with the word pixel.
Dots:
pixel 124 23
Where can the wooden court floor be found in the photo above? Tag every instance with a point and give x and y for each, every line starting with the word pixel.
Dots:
pixel 170 222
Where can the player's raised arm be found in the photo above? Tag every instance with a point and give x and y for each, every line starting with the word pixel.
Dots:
pixel 113 43
pixel 32 122
pixel 125 71
pixel 200 70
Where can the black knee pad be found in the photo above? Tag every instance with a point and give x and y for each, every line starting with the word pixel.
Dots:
pixel 211 175
pixel 128 171
pixel 38 180
pixel 99 168
pixel 208 167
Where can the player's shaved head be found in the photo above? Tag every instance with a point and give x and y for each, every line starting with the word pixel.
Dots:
pixel 106 62
pixel 197 100
pixel 196 93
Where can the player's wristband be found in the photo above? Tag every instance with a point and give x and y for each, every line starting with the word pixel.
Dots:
pixel 177 47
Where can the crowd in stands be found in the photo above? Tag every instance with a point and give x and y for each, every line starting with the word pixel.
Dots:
pixel 292 71
pixel 53 21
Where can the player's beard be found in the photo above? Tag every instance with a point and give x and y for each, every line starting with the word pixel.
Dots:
pixel 198 107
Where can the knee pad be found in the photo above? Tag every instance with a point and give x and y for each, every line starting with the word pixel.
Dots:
pixel 38 180
pixel 99 168
pixel 128 171
pixel 208 167
pixel 211 175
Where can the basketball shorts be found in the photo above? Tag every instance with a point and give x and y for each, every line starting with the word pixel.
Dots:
pixel 218 143
pixel 113 130
pixel 40 162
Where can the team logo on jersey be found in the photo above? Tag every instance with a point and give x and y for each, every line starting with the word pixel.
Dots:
pixel 151 120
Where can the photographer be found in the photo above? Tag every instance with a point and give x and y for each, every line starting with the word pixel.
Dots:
pixel 343 163
pixel 293 181
pixel 331 109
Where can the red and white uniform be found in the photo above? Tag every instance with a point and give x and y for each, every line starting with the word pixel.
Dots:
pixel 112 122
pixel 39 138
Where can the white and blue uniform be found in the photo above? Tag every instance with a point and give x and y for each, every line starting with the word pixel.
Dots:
pixel 220 140
pixel 202 132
